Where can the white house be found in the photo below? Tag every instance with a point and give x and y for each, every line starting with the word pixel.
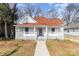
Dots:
pixel 72 29
pixel 39 28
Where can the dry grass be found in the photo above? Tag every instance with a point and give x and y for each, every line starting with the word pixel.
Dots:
pixel 26 47
pixel 62 48
pixel 72 38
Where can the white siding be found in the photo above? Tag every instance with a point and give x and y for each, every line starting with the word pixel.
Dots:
pixel 31 35
pixel 74 32
pixel 21 34
pixel 58 34
pixel 47 33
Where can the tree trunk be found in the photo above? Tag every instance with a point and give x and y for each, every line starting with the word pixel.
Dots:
pixel 6 34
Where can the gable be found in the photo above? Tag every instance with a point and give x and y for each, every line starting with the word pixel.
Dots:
pixel 25 19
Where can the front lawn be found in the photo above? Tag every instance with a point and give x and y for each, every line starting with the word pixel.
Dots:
pixel 62 48
pixel 17 48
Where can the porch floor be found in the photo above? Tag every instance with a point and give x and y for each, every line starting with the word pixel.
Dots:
pixel 41 49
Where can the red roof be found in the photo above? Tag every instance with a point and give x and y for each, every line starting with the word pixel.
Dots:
pixel 44 21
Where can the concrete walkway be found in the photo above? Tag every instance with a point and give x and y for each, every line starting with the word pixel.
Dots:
pixel 41 49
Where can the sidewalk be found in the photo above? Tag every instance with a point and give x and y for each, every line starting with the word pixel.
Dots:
pixel 41 49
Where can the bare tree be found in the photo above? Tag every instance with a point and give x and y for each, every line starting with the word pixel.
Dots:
pixel 33 11
pixel 71 14
pixel 29 10
pixel 38 12
pixel 52 13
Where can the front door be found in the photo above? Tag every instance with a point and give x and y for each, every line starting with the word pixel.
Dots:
pixel 40 32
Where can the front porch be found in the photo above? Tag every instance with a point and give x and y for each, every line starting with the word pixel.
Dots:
pixel 34 32
pixel 38 32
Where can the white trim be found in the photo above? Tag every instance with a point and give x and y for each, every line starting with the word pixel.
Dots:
pixel 34 30
pixel 46 31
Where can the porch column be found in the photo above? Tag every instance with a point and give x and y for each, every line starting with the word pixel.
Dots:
pixel 46 32
pixel 62 30
pixel 34 30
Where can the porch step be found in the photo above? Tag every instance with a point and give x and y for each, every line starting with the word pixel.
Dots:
pixel 41 38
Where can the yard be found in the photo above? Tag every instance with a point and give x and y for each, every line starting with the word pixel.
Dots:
pixel 72 38
pixel 17 48
pixel 62 48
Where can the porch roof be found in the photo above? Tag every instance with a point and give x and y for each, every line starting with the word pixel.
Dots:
pixel 44 21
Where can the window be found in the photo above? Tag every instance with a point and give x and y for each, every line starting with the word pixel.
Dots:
pixel 73 30
pixel 53 29
pixel 27 30
pixel 67 30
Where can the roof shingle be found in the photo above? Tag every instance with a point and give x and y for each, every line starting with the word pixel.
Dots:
pixel 44 21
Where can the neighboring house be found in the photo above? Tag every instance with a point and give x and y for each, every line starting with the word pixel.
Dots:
pixel 72 29
pixel 39 28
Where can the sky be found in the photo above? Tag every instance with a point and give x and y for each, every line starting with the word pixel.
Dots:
pixel 46 7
